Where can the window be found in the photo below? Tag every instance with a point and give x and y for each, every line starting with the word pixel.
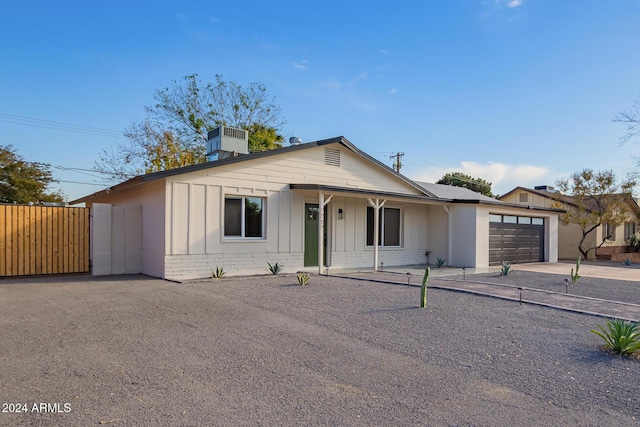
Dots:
pixel 537 221
pixel 243 217
pixel 629 230
pixel 508 219
pixel 608 232
pixel 524 220
pixel 388 227
pixel 495 218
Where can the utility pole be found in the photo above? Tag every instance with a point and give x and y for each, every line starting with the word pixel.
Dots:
pixel 397 165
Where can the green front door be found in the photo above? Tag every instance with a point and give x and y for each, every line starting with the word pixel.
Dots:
pixel 311 235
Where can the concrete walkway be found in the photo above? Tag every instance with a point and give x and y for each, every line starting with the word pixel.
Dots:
pixel 600 271
pixel 453 279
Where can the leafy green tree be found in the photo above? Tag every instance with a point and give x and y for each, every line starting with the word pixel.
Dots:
pixel 24 182
pixel 592 199
pixel 174 133
pixel 459 179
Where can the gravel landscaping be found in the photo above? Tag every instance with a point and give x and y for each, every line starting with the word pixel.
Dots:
pixel 266 351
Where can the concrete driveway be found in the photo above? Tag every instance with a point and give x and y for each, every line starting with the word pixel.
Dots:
pixel 587 269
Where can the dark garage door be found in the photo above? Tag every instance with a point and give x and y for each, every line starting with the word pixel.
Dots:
pixel 515 239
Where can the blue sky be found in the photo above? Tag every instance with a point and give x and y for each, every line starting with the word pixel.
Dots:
pixel 518 92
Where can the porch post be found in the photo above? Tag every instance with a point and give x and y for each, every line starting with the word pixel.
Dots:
pixel 376 224
pixel 321 204
pixel 449 235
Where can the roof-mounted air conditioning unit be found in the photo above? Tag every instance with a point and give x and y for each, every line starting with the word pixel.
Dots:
pixel 224 142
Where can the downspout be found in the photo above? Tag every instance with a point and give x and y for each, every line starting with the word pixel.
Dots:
pixel 449 234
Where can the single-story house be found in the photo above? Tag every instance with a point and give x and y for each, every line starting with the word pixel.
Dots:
pixel 614 240
pixel 322 204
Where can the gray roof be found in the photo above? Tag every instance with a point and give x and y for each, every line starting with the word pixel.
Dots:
pixel 443 191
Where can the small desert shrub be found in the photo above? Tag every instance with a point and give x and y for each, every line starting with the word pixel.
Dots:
pixel 440 262
pixel 627 261
pixel 505 269
pixel 217 273
pixel 275 268
pixel 303 279
pixel 621 336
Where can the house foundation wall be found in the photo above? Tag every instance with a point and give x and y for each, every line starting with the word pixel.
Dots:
pixel 189 267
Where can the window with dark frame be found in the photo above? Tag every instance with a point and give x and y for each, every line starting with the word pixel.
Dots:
pixel 244 217
pixel 388 227
pixel 629 230
pixel 609 232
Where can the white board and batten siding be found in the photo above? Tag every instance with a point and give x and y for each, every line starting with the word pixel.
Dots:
pixel 195 206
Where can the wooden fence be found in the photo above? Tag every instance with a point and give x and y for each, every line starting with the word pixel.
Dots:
pixel 43 240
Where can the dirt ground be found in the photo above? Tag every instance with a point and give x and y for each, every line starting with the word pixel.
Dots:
pixel 134 350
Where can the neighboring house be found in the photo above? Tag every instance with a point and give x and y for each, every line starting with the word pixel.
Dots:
pixel 616 240
pixel 243 212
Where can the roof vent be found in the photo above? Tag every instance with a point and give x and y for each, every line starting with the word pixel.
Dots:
pixel 332 157
pixel 295 140
pixel 224 142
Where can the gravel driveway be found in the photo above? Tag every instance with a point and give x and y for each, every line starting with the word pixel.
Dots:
pixel 265 351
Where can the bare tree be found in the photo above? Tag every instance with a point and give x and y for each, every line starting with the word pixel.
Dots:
pixel 631 119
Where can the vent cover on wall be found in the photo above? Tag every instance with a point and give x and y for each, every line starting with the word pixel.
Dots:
pixel 332 157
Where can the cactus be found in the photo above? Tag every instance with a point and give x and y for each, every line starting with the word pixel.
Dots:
pixel 423 292
pixel 575 276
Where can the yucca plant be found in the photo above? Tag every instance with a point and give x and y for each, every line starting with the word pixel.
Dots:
pixel 303 279
pixel 217 273
pixel 275 268
pixel 505 269
pixel 621 336
pixel 423 292
pixel 575 276
pixel 440 262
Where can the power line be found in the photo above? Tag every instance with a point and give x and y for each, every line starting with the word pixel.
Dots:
pixel 53 125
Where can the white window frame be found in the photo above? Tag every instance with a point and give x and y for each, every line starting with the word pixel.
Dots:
pixel 243 218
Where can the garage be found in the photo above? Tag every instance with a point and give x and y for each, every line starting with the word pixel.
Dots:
pixel 515 239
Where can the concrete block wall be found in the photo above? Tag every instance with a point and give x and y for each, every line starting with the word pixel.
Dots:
pixel 189 267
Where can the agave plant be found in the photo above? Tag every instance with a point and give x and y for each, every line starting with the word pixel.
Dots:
pixel 275 268
pixel 621 336
pixel 303 279
pixel 505 269
pixel 440 262
pixel 217 273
